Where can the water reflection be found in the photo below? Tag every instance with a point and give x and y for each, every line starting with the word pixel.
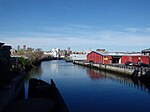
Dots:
pixel 94 74
pixel 90 90
pixel 126 80
pixel 35 73
pixel 58 66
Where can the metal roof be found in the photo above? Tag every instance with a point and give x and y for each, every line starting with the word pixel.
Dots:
pixel 146 51
pixel 119 53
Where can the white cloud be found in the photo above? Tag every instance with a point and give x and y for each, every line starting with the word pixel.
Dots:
pixel 80 37
pixel 78 26
pixel 131 29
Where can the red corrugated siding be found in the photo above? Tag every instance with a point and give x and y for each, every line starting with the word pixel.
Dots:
pixel 124 59
pixel 144 59
pixel 98 58
pixel 95 57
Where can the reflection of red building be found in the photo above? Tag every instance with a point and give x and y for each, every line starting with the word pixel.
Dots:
pixel 94 74
pixel 116 57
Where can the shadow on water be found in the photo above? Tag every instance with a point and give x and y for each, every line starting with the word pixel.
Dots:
pixel 35 73
pixel 142 84
pixel 145 79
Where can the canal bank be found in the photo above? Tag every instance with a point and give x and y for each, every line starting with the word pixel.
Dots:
pixel 122 69
pixel 12 85
pixel 13 89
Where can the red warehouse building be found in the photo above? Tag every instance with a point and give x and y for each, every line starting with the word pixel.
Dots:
pixel 97 57
pixel 144 59
pixel 115 57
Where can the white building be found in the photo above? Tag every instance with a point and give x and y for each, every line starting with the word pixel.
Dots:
pixel 55 52
pixel 79 56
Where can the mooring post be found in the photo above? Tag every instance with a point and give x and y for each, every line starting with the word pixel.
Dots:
pixel 141 70
pixel 105 67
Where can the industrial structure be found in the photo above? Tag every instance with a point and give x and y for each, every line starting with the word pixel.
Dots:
pixel 116 57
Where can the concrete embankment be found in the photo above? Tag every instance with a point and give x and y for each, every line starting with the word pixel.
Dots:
pixel 122 69
pixel 12 91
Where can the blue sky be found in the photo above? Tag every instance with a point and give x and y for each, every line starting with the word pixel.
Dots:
pixel 116 25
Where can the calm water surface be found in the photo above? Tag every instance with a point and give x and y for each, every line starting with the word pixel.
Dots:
pixel 88 90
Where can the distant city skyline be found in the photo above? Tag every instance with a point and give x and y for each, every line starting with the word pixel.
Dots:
pixel 115 25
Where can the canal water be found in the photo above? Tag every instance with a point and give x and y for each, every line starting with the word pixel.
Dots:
pixel 89 90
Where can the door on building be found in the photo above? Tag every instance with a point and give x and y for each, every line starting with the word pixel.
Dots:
pixel 116 59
